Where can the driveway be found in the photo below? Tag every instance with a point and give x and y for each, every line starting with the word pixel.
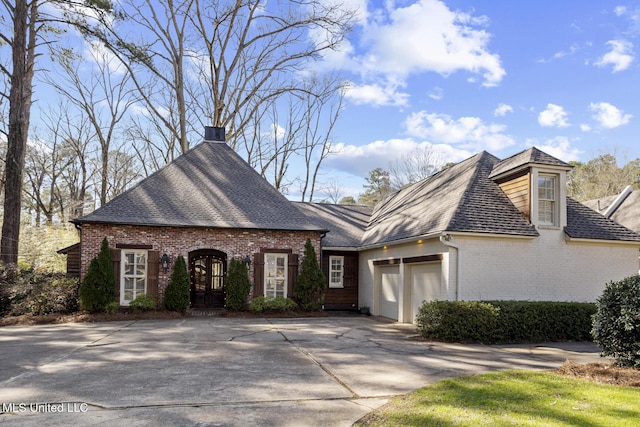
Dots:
pixel 215 371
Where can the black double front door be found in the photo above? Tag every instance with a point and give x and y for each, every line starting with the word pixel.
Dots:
pixel 208 268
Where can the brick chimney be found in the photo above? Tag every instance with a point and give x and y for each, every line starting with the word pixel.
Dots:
pixel 214 134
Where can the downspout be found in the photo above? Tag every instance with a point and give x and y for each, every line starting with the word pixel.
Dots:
pixel 447 240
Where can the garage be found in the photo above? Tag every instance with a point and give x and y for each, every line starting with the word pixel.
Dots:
pixel 425 285
pixel 389 291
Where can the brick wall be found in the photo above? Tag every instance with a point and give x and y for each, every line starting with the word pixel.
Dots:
pixel 180 241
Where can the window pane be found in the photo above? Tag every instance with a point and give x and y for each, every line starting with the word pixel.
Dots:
pixel 140 285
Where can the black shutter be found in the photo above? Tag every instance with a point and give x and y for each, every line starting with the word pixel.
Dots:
pixel 258 275
pixel 115 261
pixel 153 271
pixel 292 273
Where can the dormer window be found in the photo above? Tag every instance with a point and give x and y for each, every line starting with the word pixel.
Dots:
pixel 547 199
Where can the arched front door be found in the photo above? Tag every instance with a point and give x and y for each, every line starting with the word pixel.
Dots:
pixel 208 268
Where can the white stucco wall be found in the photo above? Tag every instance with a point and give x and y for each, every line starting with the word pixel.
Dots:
pixel 545 268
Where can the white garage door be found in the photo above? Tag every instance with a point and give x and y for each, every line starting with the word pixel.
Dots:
pixel 425 285
pixel 389 291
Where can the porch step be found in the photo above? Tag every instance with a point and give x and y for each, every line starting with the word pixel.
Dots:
pixel 196 312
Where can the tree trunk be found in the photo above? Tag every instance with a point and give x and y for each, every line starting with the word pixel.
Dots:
pixel 23 51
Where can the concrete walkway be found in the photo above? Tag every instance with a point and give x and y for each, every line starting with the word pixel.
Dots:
pixel 218 371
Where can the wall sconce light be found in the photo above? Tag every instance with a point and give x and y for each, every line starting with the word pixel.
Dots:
pixel 247 261
pixel 164 261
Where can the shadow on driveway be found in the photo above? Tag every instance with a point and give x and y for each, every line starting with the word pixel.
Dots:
pixel 222 371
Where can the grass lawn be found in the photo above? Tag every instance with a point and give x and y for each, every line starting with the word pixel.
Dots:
pixel 512 398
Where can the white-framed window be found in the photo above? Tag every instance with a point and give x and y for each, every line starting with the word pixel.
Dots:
pixel 133 274
pixel 275 275
pixel 547 201
pixel 336 271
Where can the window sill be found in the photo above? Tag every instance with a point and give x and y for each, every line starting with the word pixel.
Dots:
pixel 549 227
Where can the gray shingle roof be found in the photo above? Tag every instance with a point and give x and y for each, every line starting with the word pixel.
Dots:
pixel 529 156
pixel 627 214
pixel 209 186
pixel 346 223
pixel 585 223
pixel 461 198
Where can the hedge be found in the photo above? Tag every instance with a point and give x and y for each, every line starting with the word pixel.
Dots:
pixel 492 322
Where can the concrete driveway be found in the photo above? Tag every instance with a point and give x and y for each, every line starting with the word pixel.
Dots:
pixel 214 371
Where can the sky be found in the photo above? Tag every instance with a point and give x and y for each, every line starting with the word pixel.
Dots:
pixel 463 76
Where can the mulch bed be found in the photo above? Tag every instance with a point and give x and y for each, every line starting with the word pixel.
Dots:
pixel 56 318
pixel 602 373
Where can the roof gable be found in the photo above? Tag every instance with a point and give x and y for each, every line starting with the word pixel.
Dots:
pixel 461 198
pixel 209 186
pixel 526 157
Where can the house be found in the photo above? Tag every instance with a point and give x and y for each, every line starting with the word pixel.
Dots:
pixel 483 229
pixel 623 208
pixel 490 229
pixel 209 206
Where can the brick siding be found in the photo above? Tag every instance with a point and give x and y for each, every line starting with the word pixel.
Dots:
pixel 236 243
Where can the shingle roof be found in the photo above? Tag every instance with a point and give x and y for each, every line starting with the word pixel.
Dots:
pixel 461 198
pixel 209 186
pixel 529 156
pixel 585 223
pixel 627 214
pixel 346 223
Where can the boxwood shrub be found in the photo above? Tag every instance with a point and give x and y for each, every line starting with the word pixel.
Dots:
pixel 616 324
pixel 505 321
pixel 279 304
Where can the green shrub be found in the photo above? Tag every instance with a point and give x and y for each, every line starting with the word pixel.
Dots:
pixel 616 323
pixel 463 321
pixel 237 286
pixel 278 304
pixel 176 296
pixel 112 307
pixel 308 290
pixel 538 321
pixel 143 302
pixel 505 321
pixel 98 287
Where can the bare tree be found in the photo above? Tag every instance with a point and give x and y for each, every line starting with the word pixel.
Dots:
pixel 221 62
pixel 417 165
pixel 104 98
pixel 317 139
pixel 334 191
pixel 72 128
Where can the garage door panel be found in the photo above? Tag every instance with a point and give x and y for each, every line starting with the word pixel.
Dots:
pixel 389 292
pixel 425 285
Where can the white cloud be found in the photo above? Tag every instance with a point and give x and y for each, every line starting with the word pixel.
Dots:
pixel 584 127
pixel 609 116
pixel 428 36
pixel 358 160
pixel 559 147
pixel 376 95
pixel 394 41
pixel 620 10
pixel 619 56
pixel 437 93
pixel 502 110
pixel 470 132
pixel 553 116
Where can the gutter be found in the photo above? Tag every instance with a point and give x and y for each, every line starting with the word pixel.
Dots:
pixel 447 240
